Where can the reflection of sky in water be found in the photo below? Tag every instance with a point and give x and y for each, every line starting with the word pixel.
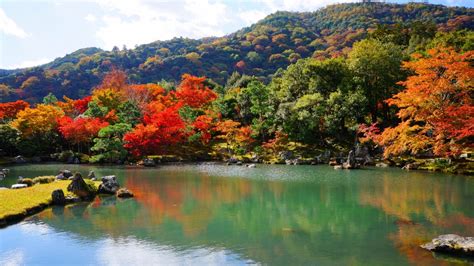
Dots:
pixel 60 248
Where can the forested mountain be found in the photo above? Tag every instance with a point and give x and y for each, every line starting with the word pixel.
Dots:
pixel 259 50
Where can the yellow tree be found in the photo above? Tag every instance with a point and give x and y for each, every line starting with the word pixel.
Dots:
pixel 37 121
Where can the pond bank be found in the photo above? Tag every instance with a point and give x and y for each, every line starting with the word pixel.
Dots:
pixel 17 204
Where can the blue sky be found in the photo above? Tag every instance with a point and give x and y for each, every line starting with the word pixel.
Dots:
pixel 37 31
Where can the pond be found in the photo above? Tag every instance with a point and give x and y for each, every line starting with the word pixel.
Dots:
pixel 231 215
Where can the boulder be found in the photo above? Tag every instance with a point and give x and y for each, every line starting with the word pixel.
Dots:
pixel 337 167
pixel 19 159
pixel 124 193
pixel 285 155
pixel 58 197
pixel 232 160
pixel 383 165
pixel 410 166
pixel 79 187
pixel 109 185
pixel 18 186
pixel 251 165
pixel 351 162
pixel 91 175
pixel 452 244
pixel 238 163
pixel 66 173
pixel 149 162
pixel 60 177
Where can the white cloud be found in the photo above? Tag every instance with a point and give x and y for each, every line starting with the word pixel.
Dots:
pixel 130 251
pixel 90 18
pixel 9 27
pixel 29 63
pixel 299 5
pixel 252 16
pixel 137 22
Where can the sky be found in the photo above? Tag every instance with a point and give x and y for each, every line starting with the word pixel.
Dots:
pixel 35 32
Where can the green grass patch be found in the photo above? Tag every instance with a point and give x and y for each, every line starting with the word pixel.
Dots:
pixel 19 201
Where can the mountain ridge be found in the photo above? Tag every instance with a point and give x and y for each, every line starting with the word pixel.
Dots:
pixel 261 49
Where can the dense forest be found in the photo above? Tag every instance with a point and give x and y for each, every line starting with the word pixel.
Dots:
pixel 401 88
pixel 273 43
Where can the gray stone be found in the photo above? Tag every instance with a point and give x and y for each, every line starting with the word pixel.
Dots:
pixel 452 244
pixel 79 187
pixel 91 174
pixel 238 163
pixel 60 177
pixel 18 186
pixel 286 155
pixel 109 185
pixel 383 165
pixel 19 159
pixel 66 173
pixel 251 166
pixel 58 197
pixel 149 162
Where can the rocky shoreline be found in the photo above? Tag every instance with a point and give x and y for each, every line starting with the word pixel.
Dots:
pixel 77 190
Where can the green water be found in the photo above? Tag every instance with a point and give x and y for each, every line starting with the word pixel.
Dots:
pixel 227 215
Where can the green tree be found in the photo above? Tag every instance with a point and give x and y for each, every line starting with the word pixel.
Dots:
pixel 376 68
pixel 109 144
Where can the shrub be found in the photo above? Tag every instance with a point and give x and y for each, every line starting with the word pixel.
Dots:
pixel 27 181
pixel 43 179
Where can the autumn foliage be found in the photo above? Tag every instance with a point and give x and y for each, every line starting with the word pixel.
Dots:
pixel 80 129
pixel 10 110
pixel 436 108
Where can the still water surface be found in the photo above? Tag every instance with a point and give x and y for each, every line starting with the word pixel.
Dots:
pixel 232 215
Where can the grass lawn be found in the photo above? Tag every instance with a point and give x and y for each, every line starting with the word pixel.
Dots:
pixel 18 201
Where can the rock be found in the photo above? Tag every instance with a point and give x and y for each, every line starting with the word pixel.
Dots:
pixel 452 244
pixel 337 167
pixel 232 160
pixel 288 162
pixel 333 163
pixel 60 177
pixel 351 161
pixel 91 175
pixel 251 166
pixel 79 187
pixel 18 186
pixel 410 166
pixel 148 162
pixel 285 155
pixel 383 165
pixel 369 160
pixel 77 161
pixel 6 170
pixel 124 193
pixel 109 185
pixel 19 159
pixel 66 173
pixel 58 197
pixel 238 163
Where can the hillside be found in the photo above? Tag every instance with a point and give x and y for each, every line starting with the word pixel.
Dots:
pixel 272 43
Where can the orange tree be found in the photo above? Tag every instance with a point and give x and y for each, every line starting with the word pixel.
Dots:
pixel 436 108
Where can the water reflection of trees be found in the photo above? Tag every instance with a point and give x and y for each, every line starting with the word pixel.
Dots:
pixel 424 208
pixel 272 221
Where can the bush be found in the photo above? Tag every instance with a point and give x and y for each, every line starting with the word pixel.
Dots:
pixel 65 155
pixel 27 181
pixel 43 179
